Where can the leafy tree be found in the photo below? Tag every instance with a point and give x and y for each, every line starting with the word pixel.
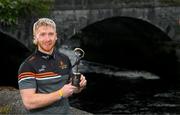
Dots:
pixel 13 10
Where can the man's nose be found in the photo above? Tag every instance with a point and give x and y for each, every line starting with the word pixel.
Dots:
pixel 47 37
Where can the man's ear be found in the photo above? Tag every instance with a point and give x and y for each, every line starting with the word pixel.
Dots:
pixel 56 37
pixel 34 41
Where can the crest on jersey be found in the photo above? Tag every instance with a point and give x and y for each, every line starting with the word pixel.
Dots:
pixel 62 65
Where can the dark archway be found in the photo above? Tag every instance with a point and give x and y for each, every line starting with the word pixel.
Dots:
pixel 12 55
pixel 131 44
pixel 134 45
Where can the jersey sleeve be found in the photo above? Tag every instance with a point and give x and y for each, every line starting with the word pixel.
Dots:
pixel 26 76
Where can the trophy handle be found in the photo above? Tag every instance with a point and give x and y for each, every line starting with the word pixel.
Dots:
pixel 79 53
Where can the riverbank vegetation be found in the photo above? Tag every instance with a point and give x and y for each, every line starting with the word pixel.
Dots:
pixel 12 11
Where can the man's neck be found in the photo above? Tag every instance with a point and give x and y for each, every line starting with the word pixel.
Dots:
pixel 46 52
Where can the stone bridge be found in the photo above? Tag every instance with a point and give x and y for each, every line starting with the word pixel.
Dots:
pixel 132 17
pixel 72 16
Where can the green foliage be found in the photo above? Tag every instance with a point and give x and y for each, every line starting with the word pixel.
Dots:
pixel 5 109
pixel 8 11
pixel 12 10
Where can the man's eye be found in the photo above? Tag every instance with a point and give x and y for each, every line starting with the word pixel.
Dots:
pixel 42 34
pixel 51 34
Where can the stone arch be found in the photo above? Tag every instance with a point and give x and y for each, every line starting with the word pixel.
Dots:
pixel 129 43
pixel 12 54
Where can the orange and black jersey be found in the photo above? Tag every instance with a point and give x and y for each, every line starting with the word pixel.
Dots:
pixel 46 73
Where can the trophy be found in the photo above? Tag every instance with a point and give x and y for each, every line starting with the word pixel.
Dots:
pixel 79 54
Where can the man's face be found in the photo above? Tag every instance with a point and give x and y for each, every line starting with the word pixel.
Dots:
pixel 46 38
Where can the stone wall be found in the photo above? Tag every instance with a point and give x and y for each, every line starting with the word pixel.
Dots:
pixel 73 15
pixel 164 18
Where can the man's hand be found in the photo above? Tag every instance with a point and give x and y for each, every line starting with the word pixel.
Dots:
pixel 82 84
pixel 68 90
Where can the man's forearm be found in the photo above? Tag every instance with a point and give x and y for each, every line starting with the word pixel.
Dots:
pixel 37 100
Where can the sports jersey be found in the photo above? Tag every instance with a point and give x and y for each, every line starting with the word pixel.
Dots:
pixel 46 73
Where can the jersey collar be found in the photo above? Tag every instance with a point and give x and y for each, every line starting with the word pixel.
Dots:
pixel 44 55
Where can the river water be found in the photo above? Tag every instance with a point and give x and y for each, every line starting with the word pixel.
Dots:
pixel 111 90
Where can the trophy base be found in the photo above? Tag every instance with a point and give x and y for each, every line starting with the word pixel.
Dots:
pixel 76 79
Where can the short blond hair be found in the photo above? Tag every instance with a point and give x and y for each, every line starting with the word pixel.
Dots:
pixel 43 22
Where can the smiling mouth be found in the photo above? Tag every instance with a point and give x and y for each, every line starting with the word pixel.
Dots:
pixel 48 43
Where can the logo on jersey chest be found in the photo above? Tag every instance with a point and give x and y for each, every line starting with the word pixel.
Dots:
pixel 43 67
pixel 62 65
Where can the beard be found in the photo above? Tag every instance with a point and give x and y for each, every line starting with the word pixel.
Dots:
pixel 46 47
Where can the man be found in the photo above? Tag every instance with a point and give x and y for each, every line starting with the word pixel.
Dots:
pixel 43 76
